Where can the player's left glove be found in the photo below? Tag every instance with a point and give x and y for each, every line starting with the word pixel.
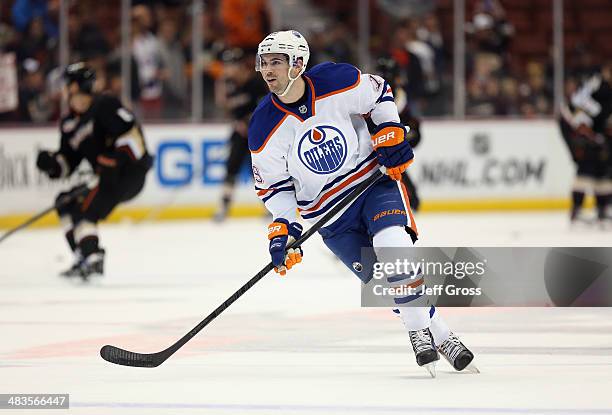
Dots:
pixel 46 161
pixel 392 148
pixel 282 233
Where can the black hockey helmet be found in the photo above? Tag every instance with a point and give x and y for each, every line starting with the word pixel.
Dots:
pixel 82 74
pixel 232 55
pixel 387 67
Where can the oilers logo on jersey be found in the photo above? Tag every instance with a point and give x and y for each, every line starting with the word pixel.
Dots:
pixel 323 149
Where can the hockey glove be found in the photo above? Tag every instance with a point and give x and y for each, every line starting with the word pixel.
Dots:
pixel 392 148
pixel 47 163
pixel 282 233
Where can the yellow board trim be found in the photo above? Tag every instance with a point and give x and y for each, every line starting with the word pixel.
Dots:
pixel 137 215
pixel 480 205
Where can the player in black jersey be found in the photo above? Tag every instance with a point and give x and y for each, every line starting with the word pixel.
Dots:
pixel 102 131
pixel 245 89
pixel 585 126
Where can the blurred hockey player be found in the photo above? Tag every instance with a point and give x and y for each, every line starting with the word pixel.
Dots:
pixel 245 91
pixel 310 146
pixel 102 131
pixel 388 68
pixel 584 126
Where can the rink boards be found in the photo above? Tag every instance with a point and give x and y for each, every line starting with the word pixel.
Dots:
pixel 468 165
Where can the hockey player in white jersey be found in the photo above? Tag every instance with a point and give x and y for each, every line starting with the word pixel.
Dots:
pixel 310 147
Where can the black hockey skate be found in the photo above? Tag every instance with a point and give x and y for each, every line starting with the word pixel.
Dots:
pixel 455 352
pixel 73 271
pixel 221 214
pixel 93 265
pixel 424 349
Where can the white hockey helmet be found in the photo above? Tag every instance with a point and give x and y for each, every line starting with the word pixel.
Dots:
pixel 288 42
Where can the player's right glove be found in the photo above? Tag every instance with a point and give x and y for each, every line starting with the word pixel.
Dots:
pixel 47 163
pixel 392 148
pixel 282 233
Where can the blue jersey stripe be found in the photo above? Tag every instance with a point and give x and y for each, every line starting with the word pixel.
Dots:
pixel 272 186
pixel 384 91
pixel 277 191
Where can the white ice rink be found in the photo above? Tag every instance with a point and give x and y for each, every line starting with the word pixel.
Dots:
pixel 294 345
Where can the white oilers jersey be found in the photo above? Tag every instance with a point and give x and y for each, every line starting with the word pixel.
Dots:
pixel 307 159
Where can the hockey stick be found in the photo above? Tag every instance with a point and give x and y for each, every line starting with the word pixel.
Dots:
pixel 79 191
pixel 126 358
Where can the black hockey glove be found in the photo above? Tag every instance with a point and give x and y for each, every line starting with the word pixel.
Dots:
pixel 47 163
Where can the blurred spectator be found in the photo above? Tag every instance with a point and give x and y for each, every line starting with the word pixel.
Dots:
pixel 246 22
pixel 537 97
pixel 510 97
pixel 429 32
pixel 330 43
pixel 581 64
pixel 9 86
pixel 317 41
pixel 213 47
pixel 24 11
pixel 173 62
pixel 86 39
pixel 35 43
pixel 7 37
pixel 339 43
pixel 490 27
pixel 34 104
pixel 483 98
pixel 426 55
pixel 114 84
pixel 406 8
pixel 147 53
pixel 409 67
pixel 491 90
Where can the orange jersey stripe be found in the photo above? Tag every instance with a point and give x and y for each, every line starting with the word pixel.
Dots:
pixel 335 190
pixel 269 135
pixel 343 89
pixel 414 284
pixel 89 199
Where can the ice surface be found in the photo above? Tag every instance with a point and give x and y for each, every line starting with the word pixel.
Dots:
pixel 294 345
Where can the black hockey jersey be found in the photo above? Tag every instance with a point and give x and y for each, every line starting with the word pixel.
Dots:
pixel 243 99
pixel 108 129
pixel 594 100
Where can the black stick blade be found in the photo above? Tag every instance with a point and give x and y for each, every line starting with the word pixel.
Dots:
pixel 122 357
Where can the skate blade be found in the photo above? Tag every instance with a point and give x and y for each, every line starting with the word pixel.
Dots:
pixel 472 368
pixel 431 368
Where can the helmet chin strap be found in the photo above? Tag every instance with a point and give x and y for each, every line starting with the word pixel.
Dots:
pixel 291 81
